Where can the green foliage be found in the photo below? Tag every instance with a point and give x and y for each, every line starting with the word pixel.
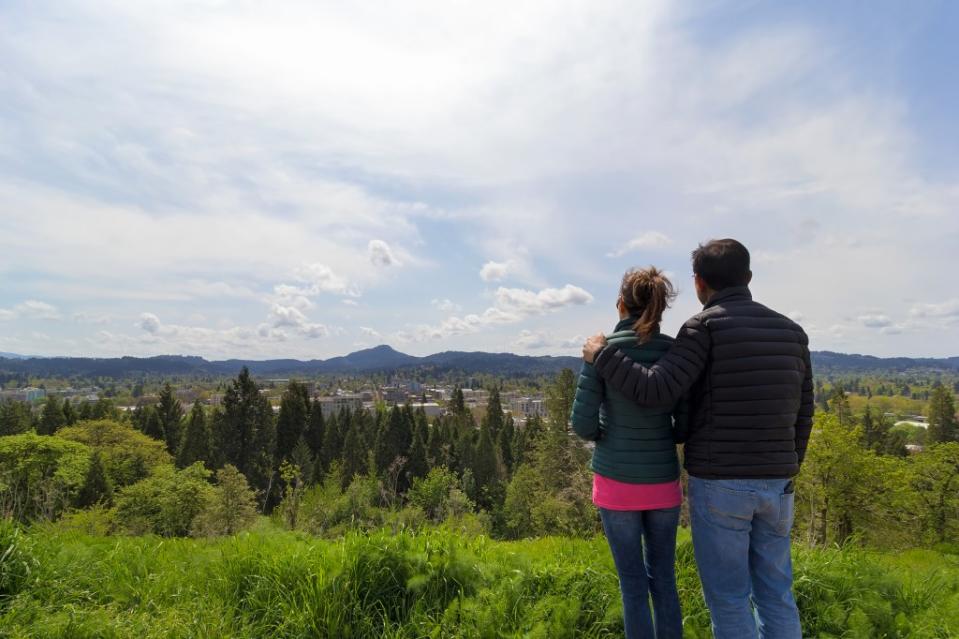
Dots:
pixel 231 506
pixel 428 583
pixel 51 419
pixel 39 475
pixel 15 417
pixel 196 439
pixel 943 426
pixel 127 454
pixel 96 487
pixel 165 503
pixel 438 495
pixel 291 422
pixel 169 414
pixel 245 432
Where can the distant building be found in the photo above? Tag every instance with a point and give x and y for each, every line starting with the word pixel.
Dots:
pixel 393 395
pixel 29 394
pixel 432 409
pixel 333 405
pixel 528 407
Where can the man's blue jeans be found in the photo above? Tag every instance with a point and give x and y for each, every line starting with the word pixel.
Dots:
pixel 643 543
pixel 741 541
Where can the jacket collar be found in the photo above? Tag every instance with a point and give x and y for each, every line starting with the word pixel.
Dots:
pixel 729 294
pixel 626 324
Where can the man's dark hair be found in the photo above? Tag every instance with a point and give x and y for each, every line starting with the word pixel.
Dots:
pixel 722 263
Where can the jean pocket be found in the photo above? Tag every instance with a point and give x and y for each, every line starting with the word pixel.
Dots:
pixel 729 508
pixel 787 504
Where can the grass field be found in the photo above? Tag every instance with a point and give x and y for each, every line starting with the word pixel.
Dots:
pixel 437 583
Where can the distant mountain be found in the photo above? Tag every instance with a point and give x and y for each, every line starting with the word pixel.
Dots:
pixel 12 355
pixel 384 358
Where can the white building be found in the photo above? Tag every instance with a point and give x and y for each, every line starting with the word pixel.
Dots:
pixel 528 407
pixel 333 405
pixel 432 409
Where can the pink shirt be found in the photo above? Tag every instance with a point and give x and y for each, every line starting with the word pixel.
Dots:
pixel 617 495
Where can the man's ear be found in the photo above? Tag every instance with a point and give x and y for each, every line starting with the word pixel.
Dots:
pixel 749 277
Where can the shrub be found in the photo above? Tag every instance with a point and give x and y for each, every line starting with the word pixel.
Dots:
pixel 166 502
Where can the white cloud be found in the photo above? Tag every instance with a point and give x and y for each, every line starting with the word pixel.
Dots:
pixel 381 255
pixel 511 305
pixel 533 302
pixel 369 332
pixel 647 240
pixel 319 278
pixel 539 340
pixel 948 308
pixel 496 271
pixel 31 309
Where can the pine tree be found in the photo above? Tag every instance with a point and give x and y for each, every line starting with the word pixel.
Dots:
pixel 494 414
pixel 51 420
pixel 196 439
pixel 458 403
pixel 15 418
pixel 292 419
pixel 170 412
pixel 248 431
pixel 942 417
pixel 69 415
pixel 505 445
pixel 152 425
pixel 315 429
pixel 333 436
pixel 393 440
pixel 232 507
pixel 96 487
pixel 417 466
pixel 354 454
pixel 303 458
pixel 436 455
pixel 486 469
pixel 871 432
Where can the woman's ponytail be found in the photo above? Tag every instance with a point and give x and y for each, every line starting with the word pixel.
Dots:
pixel 647 293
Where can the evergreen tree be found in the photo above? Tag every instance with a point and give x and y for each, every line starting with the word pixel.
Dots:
pixel 458 403
pixel 393 440
pixel 51 419
pixel 292 419
pixel 303 459
pixel 942 416
pixel 315 429
pixel 96 487
pixel 436 452
pixel 417 466
pixel 196 439
pixel 69 415
pixel 15 418
pixel 153 427
pixel 248 432
pixel 872 434
pixel 170 412
pixel 494 414
pixel 505 444
pixel 486 469
pixel 85 411
pixel 333 436
pixel 354 454
pixel 559 399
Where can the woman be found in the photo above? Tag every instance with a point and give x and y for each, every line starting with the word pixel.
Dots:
pixel 636 469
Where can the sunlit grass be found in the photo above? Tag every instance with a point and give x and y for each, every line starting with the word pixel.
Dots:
pixel 438 583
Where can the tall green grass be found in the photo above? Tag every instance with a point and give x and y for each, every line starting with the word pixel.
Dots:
pixel 437 583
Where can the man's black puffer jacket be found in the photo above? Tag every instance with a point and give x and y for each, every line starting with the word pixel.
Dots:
pixel 747 371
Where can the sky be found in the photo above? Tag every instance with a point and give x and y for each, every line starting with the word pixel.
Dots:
pixel 303 179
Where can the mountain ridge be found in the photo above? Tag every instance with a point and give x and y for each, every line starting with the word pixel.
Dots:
pixel 385 358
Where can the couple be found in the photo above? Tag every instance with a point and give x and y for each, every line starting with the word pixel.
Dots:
pixel 735 387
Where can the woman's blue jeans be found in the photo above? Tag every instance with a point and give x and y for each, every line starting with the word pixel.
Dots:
pixel 643 543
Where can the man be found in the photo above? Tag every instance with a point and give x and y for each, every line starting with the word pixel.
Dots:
pixel 746 369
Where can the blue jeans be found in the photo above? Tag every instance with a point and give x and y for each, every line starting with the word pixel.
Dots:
pixel 741 541
pixel 643 543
